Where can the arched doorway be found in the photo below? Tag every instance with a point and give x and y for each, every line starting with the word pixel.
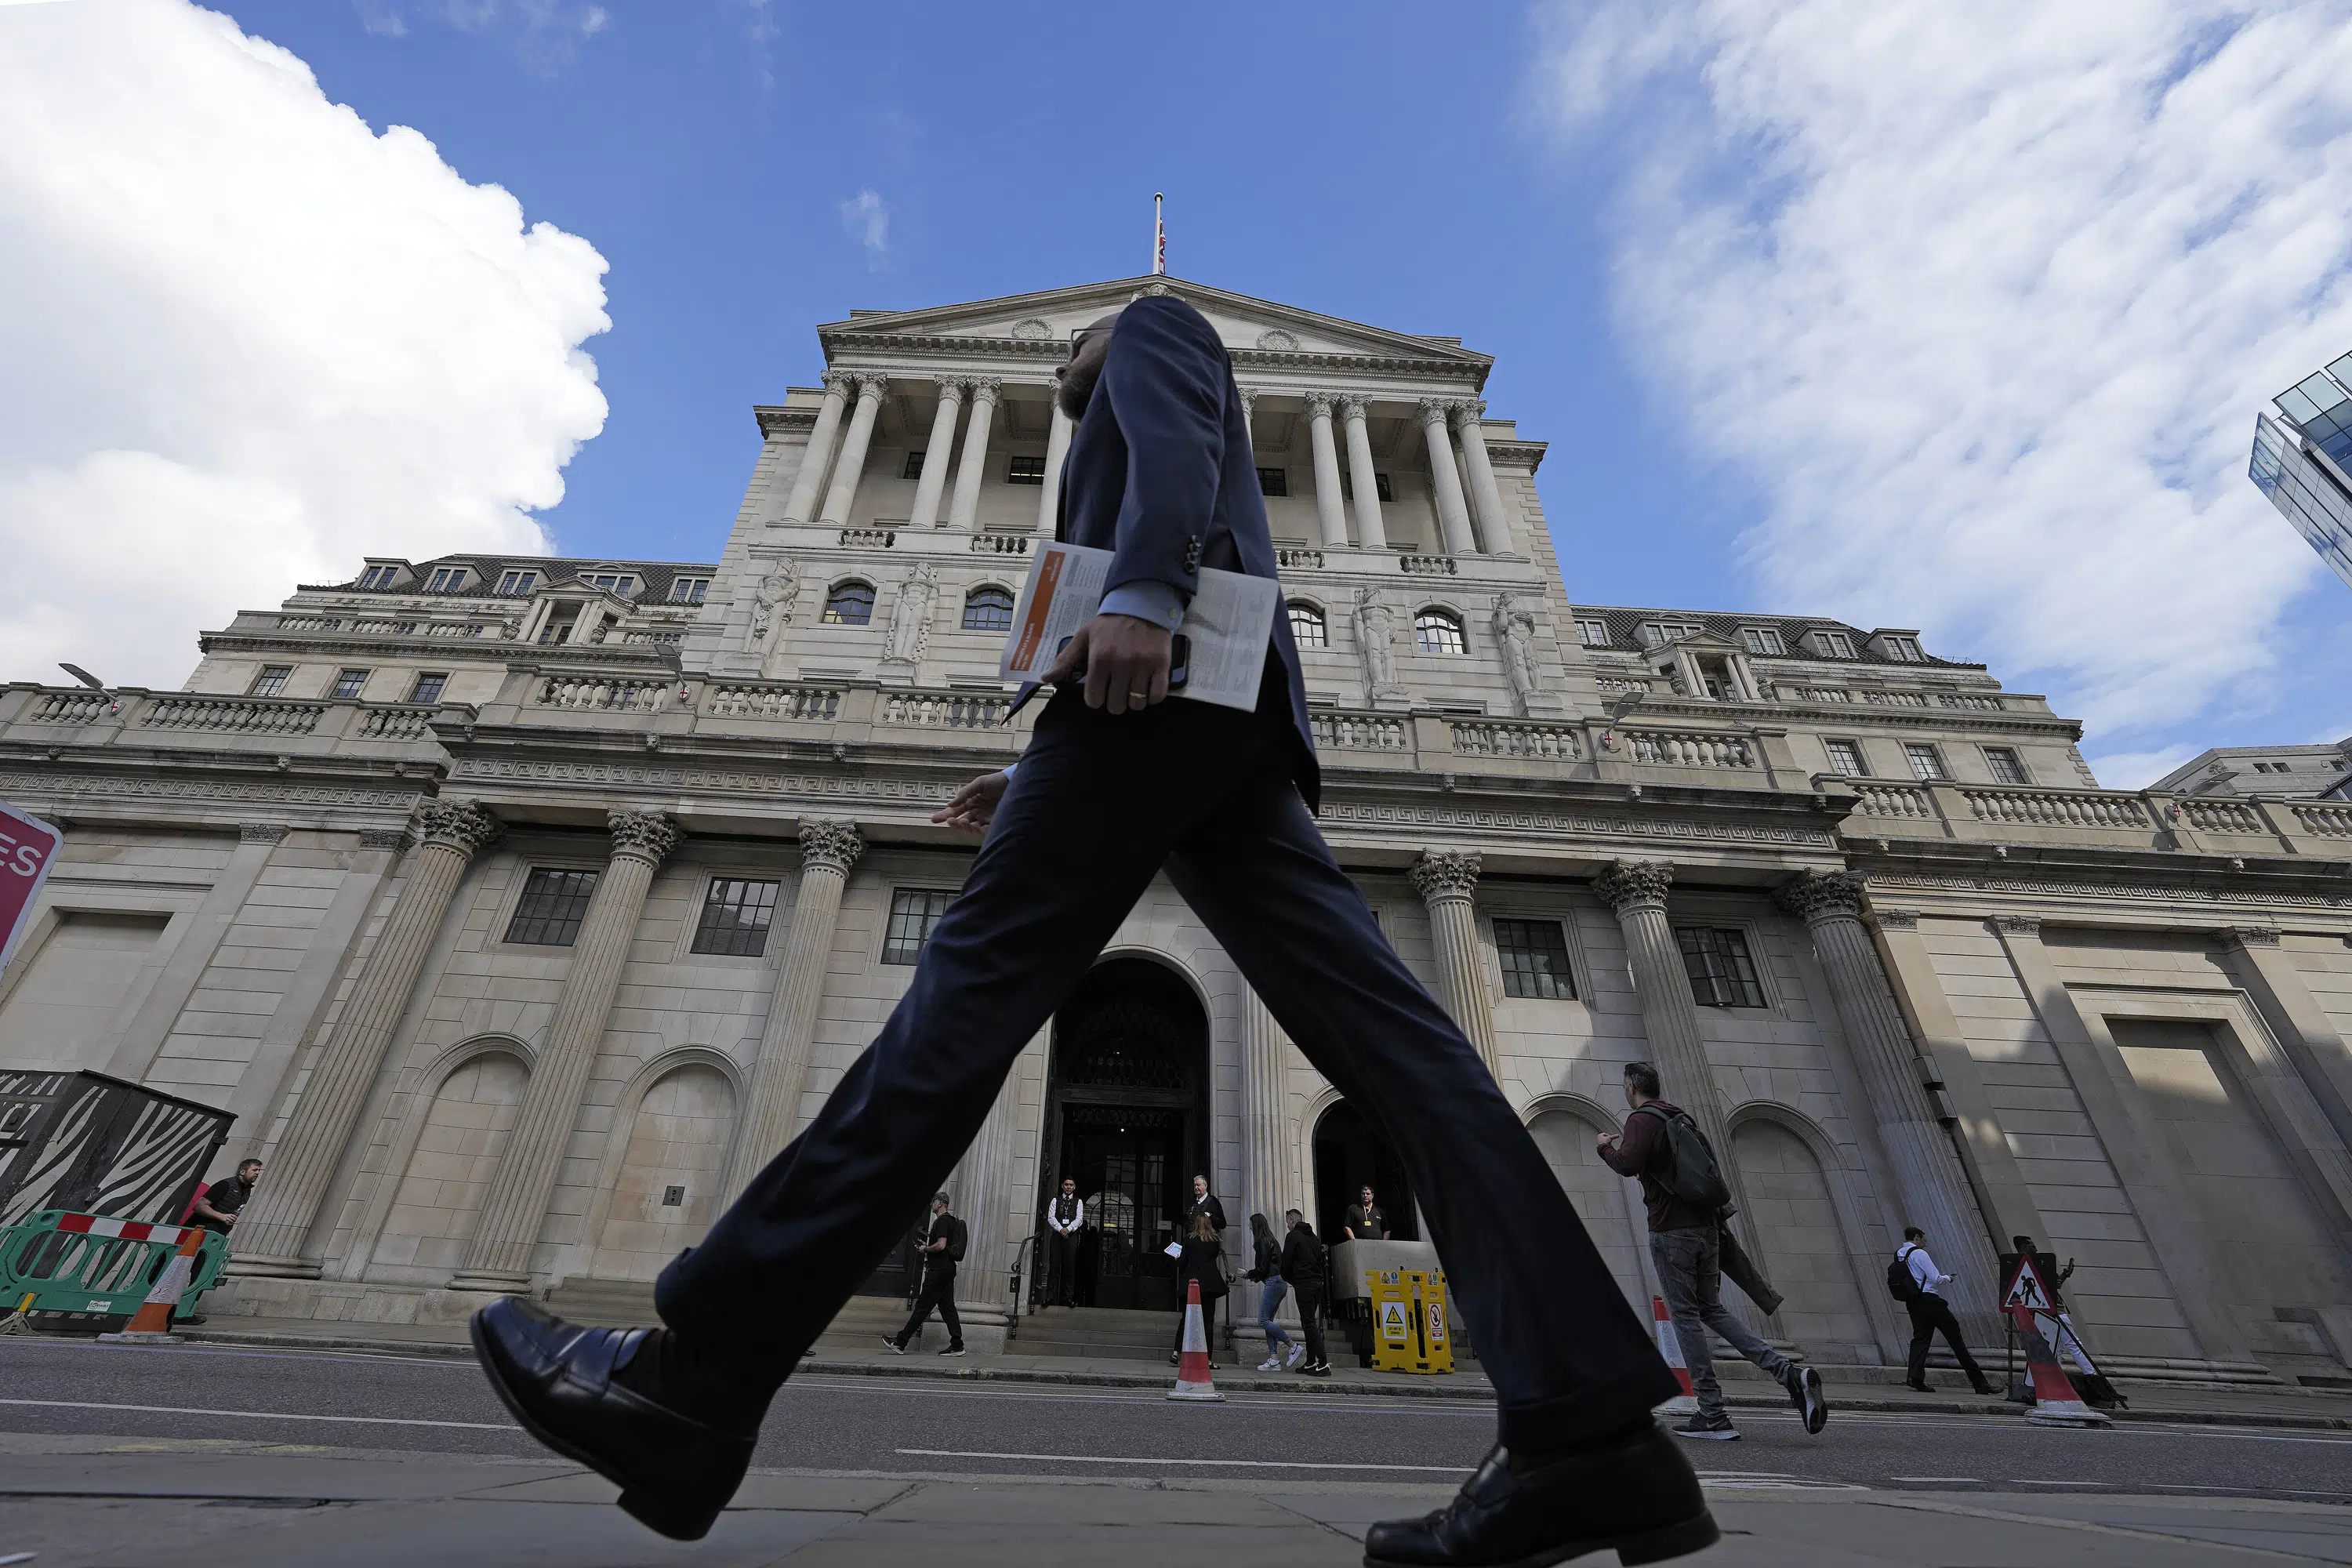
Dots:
pixel 1350 1154
pixel 1126 1114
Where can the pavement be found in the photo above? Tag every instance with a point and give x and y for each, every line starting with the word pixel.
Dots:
pixel 119 1457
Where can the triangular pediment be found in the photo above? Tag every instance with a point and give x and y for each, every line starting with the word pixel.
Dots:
pixel 1247 325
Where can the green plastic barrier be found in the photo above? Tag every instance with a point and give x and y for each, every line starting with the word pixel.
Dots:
pixel 78 1271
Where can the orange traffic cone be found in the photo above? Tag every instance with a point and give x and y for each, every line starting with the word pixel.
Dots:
pixel 2056 1402
pixel 1193 1381
pixel 151 1324
pixel 1670 1345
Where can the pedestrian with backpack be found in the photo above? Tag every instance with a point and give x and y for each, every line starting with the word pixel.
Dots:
pixel 1912 1279
pixel 1685 1195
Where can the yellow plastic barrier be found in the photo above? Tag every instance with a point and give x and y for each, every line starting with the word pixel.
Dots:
pixel 1411 1327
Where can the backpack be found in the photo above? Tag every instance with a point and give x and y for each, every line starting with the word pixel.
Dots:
pixel 1901 1283
pixel 1688 1171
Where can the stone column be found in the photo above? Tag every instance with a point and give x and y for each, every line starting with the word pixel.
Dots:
pixel 820 449
pixel 1636 889
pixel 1930 1184
pixel 979 1190
pixel 2279 992
pixel 1370 533
pixel 1444 480
pixel 934 477
pixel 828 849
pixel 1494 523
pixel 1249 415
pixel 852 466
pixel 1057 450
pixel 499 1257
pixel 276 1228
pixel 1266 1141
pixel 970 468
pixel 1328 508
pixel 1444 878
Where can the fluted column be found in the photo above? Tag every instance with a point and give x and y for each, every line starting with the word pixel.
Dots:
pixel 1444 878
pixel 828 849
pixel 972 466
pixel 1057 450
pixel 1249 414
pixel 820 450
pixel 273 1234
pixel 934 477
pixel 499 1257
pixel 1369 532
pixel 1930 1184
pixel 1636 891
pixel 1494 525
pixel 1445 479
pixel 1328 509
pixel 852 466
pixel 980 1191
pixel 1265 1133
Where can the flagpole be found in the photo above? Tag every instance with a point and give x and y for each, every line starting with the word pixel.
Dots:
pixel 1158 237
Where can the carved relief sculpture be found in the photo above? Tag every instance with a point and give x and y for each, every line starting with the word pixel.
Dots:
pixel 1375 645
pixel 910 619
pixel 772 601
pixel 1514 633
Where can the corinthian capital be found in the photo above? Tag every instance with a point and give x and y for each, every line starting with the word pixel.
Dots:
pixel 1352 407
pixel 872 386
pixel 1466 412
pixel 951 386
pixel 984 388
pixel 1444 873
pixel 458 825
pixel 1318 405
pixel 1629 884
pixel 833 845
pixel 839 381
pixel 1433 410
pixel 1822 895
pixel 646 836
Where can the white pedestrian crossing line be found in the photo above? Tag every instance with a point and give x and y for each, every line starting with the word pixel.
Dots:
pixel 1165 1459
pixel 264 1414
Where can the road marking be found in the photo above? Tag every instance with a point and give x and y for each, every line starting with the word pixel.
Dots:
pixel 1973 1480
pixel 265 1415
pixel 1162 1460
pixel 2034 1483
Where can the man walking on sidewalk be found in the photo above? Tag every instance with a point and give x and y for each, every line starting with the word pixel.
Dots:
pixel 943 1250
pixel 1660 1144
pixel 1930 1312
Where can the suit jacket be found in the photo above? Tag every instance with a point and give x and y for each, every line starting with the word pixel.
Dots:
pixel 1161 474
pixel 1210 1206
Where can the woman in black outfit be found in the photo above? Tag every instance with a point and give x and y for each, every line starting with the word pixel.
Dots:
pixel 1203 1260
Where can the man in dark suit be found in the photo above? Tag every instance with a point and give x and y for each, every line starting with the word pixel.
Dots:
pixel 942 1250
pixel 1118 783
pixel 1204 1203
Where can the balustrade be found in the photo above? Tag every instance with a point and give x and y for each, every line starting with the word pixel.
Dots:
pixel 1896 699
pixel 945 710
pixel 1963 700
pixel 745 699
pixel 1359 732
pixel 1824 694
pixel 308 624
pixel 868 538
pixel 1684 749
pixel 666 638
pixel 1902 801
pixel 70 707
pixel 1622 686
pixel 2209 815
pixel 2055 808
pixel 237 715
pixel 1000 545
pixel 1313 558
pixel 1548 742
pixel 396 724
pixel 600 693
pixel 2324 819
pixel 1429 565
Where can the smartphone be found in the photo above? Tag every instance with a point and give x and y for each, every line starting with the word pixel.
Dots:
pixel 1180 661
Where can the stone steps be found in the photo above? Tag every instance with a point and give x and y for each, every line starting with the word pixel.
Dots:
pixel 1103 1332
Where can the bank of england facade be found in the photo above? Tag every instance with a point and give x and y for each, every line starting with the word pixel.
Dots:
pixel 520 909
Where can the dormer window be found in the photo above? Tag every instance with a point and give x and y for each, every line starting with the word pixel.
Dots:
pixel 518 583
pixel 1594 633
pixel 1903 650
pixel 1832 645
pixel 446 580
pixel 621 584
pixel 688 589
pixel 1762 640
pixel 379 576
pixel 1657 634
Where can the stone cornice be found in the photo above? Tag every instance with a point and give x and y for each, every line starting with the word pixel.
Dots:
pixel 1055 350
pixel 1834 716
pixel 777 420
pixel 1512 453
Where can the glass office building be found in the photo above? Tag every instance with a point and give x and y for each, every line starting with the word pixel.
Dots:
pixel 2302 461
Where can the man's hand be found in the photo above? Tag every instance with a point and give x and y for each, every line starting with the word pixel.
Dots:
pixel 975 806
pixel 1126 662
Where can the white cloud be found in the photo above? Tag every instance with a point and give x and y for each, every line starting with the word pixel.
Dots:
pixel 545 35
pixel 249 340
pixel 1984 299
pixel 866 219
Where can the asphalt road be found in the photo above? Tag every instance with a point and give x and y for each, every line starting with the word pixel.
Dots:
pixel 916 1427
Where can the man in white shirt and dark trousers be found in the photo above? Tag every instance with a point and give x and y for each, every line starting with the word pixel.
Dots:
pixel 1930 1312
pixel 1064 1217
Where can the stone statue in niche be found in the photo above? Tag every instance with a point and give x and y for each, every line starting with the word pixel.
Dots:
pixel 772 601
pixel 1375 645
pixel 910 619
pixel 1514 633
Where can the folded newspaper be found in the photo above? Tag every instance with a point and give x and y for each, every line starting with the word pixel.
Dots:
pixel 1227 624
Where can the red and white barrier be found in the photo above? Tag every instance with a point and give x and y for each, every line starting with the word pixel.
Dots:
pixel 1670 1345
pixel 129 1230
pixel 1193 1378
pixel 151 1324
pixel 2056 1401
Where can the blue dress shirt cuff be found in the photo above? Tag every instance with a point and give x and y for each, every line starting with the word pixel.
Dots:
pixel 1147 601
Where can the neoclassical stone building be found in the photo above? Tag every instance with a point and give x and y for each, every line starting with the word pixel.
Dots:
pixel 520 909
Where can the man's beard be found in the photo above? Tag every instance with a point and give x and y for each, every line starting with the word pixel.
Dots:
pixel 1076 390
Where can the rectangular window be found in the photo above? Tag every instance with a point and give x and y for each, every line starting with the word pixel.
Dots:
pixel 446 580
pixel 1594 633
pixel 914 467
pixel 379 576
pixel 1274 481
pixel 1761 639
pixel 349 684
pixel 1381 486
pixel 1845 757
pixel 1025 471
pixel 1535 959
pixel 1659 633
pixel 271 681
pixel 552 907
pixel 1905 650
pixel 518 581
pixel 1926 763
pixel 429 686
pixel 913 912
pixel 1835 645
pixel 2006 768
pixel 688 589
pixel 1721 972
pixel 735 918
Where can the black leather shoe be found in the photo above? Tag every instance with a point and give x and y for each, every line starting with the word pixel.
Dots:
pixel 1634 1492
pixel 674 1473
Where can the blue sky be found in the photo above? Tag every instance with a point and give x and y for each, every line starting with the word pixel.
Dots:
pixel 1954 319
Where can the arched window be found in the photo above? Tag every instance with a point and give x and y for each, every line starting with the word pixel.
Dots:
pixel 1306 629
pixel 1438 631
pixel 988 609
pixel 850 604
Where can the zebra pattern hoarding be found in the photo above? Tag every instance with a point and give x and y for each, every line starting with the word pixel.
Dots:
pixel 88 1143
